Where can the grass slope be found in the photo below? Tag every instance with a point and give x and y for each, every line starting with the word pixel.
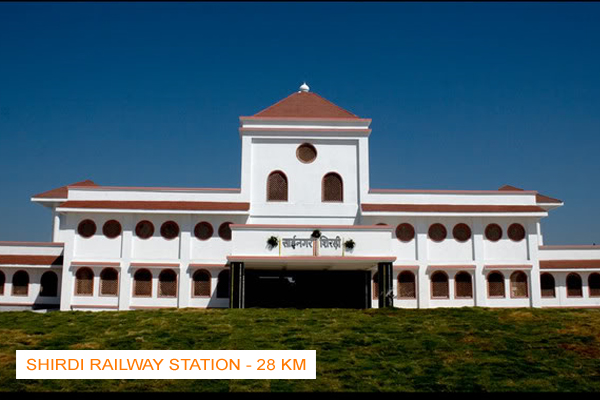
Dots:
pixel 468 349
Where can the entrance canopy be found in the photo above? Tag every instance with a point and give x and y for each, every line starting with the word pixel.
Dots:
pixel 311 247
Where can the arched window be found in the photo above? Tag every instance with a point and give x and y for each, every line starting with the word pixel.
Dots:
pixel 463 285
pixel 109 282
pixel 20 284
pixel 406 285
pixel 223 285
pixel 495 284
pixel 594 284
pixel 518 285
pixel 439 285
pixel 574 286
pixel 2 282
pixel 375 293
pixel 201 280
pixel 332 188
pixel 49 284
pixel 277 186
pixel 142 283
pixel 84 282
pixel 167 283
pixel 548 286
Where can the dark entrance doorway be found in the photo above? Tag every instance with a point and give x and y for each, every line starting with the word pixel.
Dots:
pixel 307 289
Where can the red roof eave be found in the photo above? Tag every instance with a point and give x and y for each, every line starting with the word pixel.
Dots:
pixel 449 208
pixel 158 205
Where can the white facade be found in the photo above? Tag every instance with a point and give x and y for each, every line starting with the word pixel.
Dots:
pixel 369 217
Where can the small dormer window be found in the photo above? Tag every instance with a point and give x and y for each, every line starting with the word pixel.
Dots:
pixel 277 187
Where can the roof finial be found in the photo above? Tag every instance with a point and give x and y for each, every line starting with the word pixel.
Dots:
pixel 304 87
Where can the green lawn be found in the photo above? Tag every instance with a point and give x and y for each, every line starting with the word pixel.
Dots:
pixel 469 349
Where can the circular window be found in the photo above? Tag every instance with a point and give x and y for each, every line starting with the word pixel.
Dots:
pixel 437 232
pixel 111 229
pixel 225 231
pixel 493 232
pixel 144 229
pixel 306 153
pixel 203 230
pixel 461 232
pixel 169 230
pixel 405 232
pixel 516 232
pixel 86 228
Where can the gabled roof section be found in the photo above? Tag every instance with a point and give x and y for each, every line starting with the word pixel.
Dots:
pixel 539 198
pixel 304 104
pixel 62 192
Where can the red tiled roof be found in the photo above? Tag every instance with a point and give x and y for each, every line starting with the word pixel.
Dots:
pixel 158 205
pixel 448 208
pixel 539 198
pixel 61 192
pixel 305 105
pixel 31 260
pixel 575 264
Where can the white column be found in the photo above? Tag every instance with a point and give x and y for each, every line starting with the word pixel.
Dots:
pixel 125 278
pixel 68 276
pixel 540 236
pixel 480 286
pixel 535 289
pixel 185 243
pixel 423 283
pixel 55 225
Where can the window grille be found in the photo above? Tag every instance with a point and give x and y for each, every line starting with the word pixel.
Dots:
pixel 225 231
pixel 203 230
pixel 464 285
pixel 109 282
pixel 574 286
pixel 167 283
pixel 439 285
pixel 493 232
pixel 406 285
pixel 516 232
pixel 169 230
pixel 86 228
pixel 461 232
pixel 405 232
pixel 20 283
pixel 306 153
pixel 201 280
pixel 594 284
pixel 84 282
pixel 548 286
pixel 277 187
pixel 49 284
pixel 144 229
pixel 518 285
pixel 437 232
pixel 495 284
pixel 111 229
pixel 333 188
pixel 142 283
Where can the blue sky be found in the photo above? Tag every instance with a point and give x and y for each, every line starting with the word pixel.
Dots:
pixel 462 96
